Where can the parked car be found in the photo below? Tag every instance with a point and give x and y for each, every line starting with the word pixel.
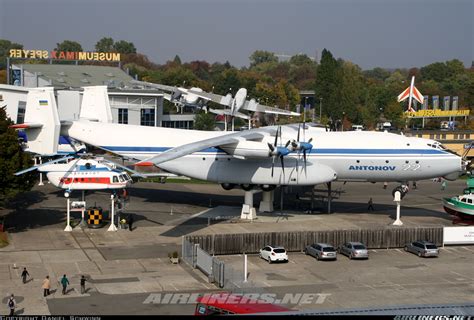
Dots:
pixel 422 248
pixel 321 251
pixel 272 254
pixel 354 250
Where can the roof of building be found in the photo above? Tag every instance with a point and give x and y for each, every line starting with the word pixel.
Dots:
pixel 75 76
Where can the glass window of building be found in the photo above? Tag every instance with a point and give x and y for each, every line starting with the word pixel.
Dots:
pixel 123 116
pixel 20 118
pixel 147 117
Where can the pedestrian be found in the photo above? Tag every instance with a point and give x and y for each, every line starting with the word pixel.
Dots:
pixel 11 304
pixel 130 222
pixel 46 286
pixel 414 185
pixel 24 274
pixel 64 282
pixel 371 206
pixel 385 184
pixel 444 185
pixel 83 285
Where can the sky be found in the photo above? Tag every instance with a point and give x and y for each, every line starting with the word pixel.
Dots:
pixel 370 33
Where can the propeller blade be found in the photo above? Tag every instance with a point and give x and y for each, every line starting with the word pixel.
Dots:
pixel 43 164
pixel 304 157
pixel 272 148
pixel 276 138
pixel 310 139
pixel 273 165
pixel 280 135
pixel 282 165
pixel 287 143
pixel 298 137
pixel 297 162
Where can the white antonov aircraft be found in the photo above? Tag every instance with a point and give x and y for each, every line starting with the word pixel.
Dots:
pixel 257 158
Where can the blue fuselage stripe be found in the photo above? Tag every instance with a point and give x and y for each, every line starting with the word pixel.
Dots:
pixel 128 149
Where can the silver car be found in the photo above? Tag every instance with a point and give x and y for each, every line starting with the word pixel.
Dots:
pixel 321 251
pixel 422 248
pixel 354 250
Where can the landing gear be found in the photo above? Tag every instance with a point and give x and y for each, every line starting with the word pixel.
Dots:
pixel 403 189
pixel 247 187
pixel 228 186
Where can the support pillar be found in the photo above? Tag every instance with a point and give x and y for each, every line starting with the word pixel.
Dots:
pixel 41 174
pixel 68 217
pixel 245 268
pixel 83 223
pixel 248 211
pixel 329 196
pixel 266 205
pixel 397 199
pixel 112 209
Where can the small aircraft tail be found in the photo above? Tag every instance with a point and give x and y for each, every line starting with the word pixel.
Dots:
pixel 410 93
pixel 42 125
pixel 95 105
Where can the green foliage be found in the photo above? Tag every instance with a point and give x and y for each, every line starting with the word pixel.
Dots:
pixel 204 121
pixel 261 56
pixel 12 159
pixel 105 45
pixel 328 82
pixel 5 47
pixel 69 46
pixel 124 47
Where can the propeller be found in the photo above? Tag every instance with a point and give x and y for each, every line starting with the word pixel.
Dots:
pixel 278 151
pixel 43 164
pixel 305 146
pixel 135 173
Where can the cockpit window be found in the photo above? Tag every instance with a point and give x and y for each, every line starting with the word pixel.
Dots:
pixel 121 178
pixel 115 179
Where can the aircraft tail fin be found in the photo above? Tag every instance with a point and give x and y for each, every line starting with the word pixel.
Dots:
pixel 411 93
pixel 42 125
pixel 95 105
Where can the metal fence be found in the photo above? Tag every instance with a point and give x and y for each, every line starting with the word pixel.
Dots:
pixel 390 237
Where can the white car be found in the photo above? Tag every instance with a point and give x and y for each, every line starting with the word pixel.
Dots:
pixel 272 254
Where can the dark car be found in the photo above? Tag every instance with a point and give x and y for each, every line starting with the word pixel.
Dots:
pixel 321 251
pixel 354 250
pixel 422 248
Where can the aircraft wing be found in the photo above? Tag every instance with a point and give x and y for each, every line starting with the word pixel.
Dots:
pixel 190 148
pixel 254 106
pixel 217 98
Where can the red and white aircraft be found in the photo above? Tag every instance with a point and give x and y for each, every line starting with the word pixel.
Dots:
pixel 410 93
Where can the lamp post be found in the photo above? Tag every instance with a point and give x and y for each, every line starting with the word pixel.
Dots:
pixel 343 117
pixel 320 108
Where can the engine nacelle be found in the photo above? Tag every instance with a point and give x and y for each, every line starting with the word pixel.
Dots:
pixel 227 186
pixel 247 149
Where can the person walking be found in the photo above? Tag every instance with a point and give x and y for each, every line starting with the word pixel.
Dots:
pixel 385 184
pixel 11 304
pixel 46 286
pixel 83 285
pixel 130 222
pixel 414 185
pixel 371 205
pixel 64 282
pixel 24 274
pixel 443 185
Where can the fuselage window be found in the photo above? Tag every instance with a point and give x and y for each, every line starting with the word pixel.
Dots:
pixel 115 179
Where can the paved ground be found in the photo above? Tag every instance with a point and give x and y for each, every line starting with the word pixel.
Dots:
pixel 125 267
pixel 389 277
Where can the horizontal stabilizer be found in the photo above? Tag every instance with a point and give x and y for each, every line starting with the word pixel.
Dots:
pixel 26 126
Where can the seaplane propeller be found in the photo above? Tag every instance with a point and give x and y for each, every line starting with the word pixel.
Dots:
pixel 278 151
pixel 304 146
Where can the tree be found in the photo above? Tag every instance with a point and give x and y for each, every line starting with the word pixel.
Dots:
pixel 328 81
pixel 177 60
pixel 261 56
pixel 204 121
pixel 124 47
pixel 12 159
pixel 105 45
pixel 5 47
pixel 68 46
pixel 301 60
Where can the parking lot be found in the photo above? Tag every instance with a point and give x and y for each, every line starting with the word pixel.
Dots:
pixel 388 277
